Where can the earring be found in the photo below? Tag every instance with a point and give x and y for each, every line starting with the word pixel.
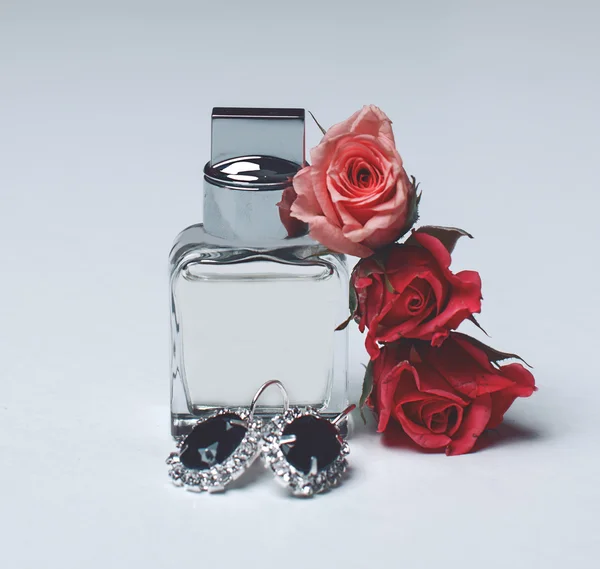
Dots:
pixel 305 451
pixel 217 451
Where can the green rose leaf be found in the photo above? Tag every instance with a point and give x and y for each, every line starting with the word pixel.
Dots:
pixel 345 323
pixel 366 390
pixel 317 123
pixel 474 320
pixel 413 208
pixel 352 300
pixel 353 305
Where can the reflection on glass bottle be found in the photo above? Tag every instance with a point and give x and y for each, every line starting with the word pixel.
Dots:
pixel 252 297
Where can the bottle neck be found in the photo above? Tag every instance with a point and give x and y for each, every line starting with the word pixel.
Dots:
pixel 250 217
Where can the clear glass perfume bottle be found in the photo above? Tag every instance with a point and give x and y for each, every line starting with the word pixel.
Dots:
pixel 254 298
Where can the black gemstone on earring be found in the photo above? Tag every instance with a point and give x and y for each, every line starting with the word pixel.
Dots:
pixel 212 441
pixel 315 437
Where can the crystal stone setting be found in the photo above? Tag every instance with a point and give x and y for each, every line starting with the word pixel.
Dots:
pixel 292 462
pixel 217 451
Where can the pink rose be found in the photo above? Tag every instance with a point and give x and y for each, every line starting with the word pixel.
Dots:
pixel 356 196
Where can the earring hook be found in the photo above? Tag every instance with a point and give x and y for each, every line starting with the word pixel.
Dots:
pixel 343 414
pixel 263 388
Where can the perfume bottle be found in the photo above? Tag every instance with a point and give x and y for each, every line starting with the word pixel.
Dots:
pixel 253 297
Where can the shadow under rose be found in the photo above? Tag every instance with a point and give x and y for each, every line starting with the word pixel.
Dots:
pixel 395 437
pixel 509 432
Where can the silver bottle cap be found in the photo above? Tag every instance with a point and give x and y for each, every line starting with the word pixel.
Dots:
pixel 254 155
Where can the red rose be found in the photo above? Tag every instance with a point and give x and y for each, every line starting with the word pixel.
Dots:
pixel 445 397
pixel 411 293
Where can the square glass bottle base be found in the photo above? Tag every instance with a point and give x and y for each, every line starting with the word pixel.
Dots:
pixel 241 316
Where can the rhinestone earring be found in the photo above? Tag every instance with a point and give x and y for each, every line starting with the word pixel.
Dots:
pixel 306 452
pixel 217 451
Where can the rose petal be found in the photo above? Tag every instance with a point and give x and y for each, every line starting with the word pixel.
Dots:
pixel 320 164
pixel 429 380
pixel 470 371
pixel 324 232
pixel 523 386
pixel 420 434
pixel 306 205
pixel 437 410
pixel 372 120
pixel 386 389
pixel 474 423
pixel 342 128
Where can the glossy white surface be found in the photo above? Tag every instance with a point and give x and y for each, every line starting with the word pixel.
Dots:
pixel 104 130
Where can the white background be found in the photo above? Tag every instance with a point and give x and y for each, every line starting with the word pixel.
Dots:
pixel 104 130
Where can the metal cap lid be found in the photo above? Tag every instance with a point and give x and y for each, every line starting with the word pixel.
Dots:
pixel 257 132
pixel 252 173
pixel 254 155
